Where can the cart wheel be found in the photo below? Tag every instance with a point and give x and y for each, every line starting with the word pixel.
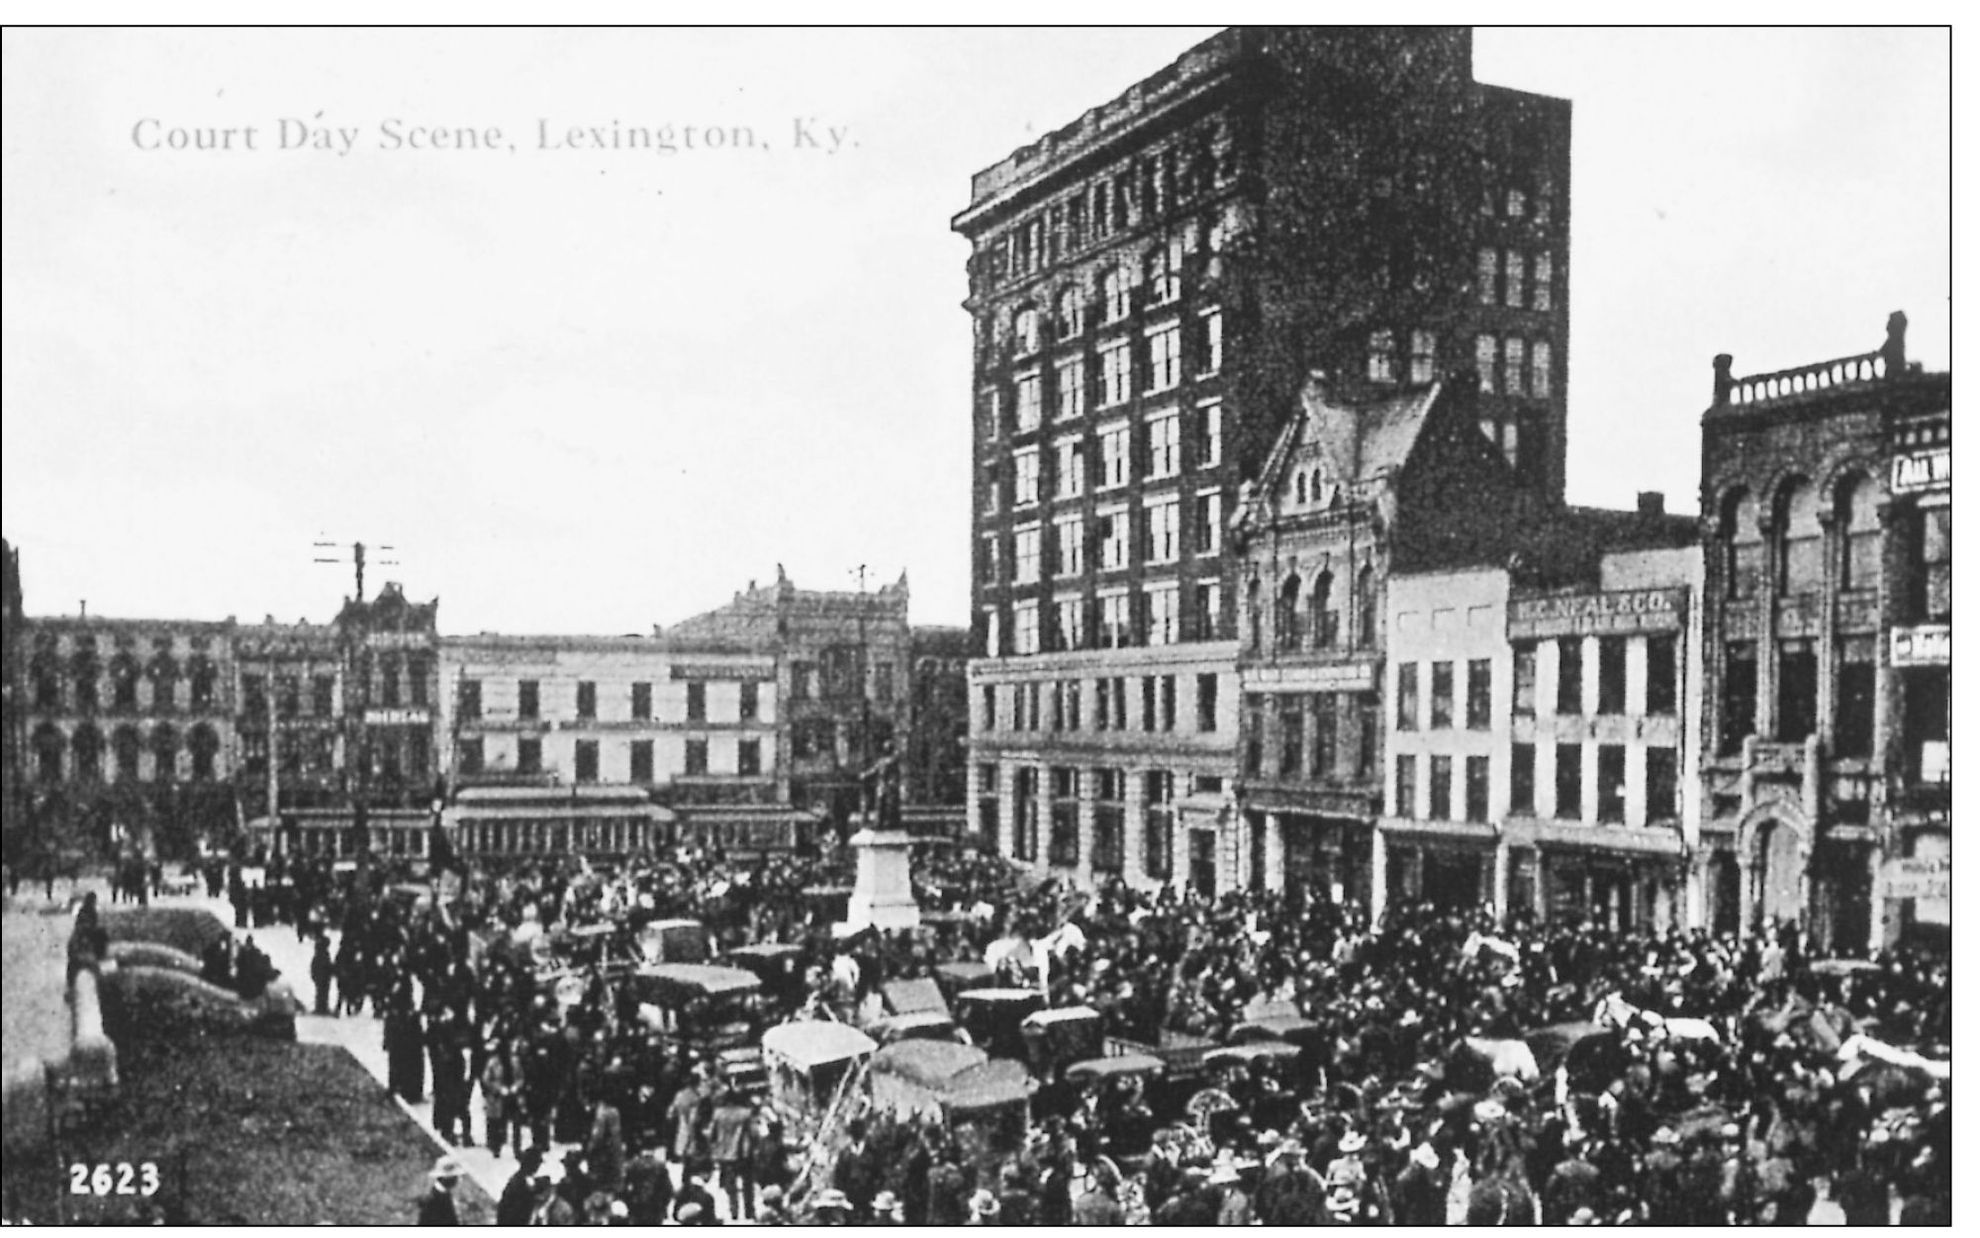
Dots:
pixel 1207 1102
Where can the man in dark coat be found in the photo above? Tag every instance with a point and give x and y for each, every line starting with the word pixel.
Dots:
pixel 451 1086
pixel 437 1206
pixel 518 1196
pixel 1421 1189
pixel 322 971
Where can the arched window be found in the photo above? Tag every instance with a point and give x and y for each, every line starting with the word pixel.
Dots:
pixel 164 673
pixel 87 745
pixel 1286 622
pixel 1326 620
pixel 205 746
pixel 203 678
pixel 1739 521
pixel 164 753
pixel 124 743
pixel 1114 293
pixel 1863 538
pixel 1251 610
pixel 1369 621
pixel 45 670
pixel 1027 331
pixel 1801 539
pixel 1072 314
pixel 85 671
pixel 1299 488
pixel 48 746
pixel 123 681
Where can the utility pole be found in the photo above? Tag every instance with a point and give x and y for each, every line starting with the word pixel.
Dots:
pixel 357 697
pixel 865 707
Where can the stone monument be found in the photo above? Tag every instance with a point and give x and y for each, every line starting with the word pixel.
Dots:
pixel 883 893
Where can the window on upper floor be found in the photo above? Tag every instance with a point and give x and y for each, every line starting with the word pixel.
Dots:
pixel 1739 695
pixel 1026 331
pixel 1030 402
pixel 1114 295
pixel 1071 314
pixel 1382 356
pixel 1069 384
pixel 1567 677
pixel 1611 674
pixel 1486 359
pixel 1744 550
pixel 1165 445
pixel 1164 358
pixel 1543 281
pixel 1488 276
pixel 1660 681
pixel 1526 679
pixel 1422 356
pixel 1801 539
pixel 1863 539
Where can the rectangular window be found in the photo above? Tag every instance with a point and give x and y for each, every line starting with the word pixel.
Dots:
pixel 1526 678
pixel 529 755
pixel 1114 456
pixel 697 702
pixel 883 674
pixel 642 698
pixel 1206 701
pixel 1024 628
pixel 642 760
pixel 1113 530
pixel 1542 377
pixel 1478 695
pixel 1477 789
pixel 1252 729
pixel 1515 279
pixel 1069 540
pixel 586 764
pixel 1064 843
pixel 1609 767
pixel 1165 702
pixel 1164 614
pixel 1158 798
pixel 1368 733
pixel 801 675
pixel 1027 541
pixel 587 699
pixel 1543 286
pixel 1515 367
pixel 989 695
pixel 1164 358
pixel 1165 445
pixel 1116 630
pixel 1406 696
pixel 1070 388
pixel 1660 685
pixel 1486 359
pixel 528 700
pixel 1567 681
pixel 1567 781
pixel 1422 356
pixel 988 823
pixel 473 756
pixel 1071 468
pixel 1660 784
pixel 990 570
pixel 1856 697
pixel 389 684
pixel 1405 785
pixel 697 758
pixel 1209 532
pixel 1025 471
pixel 1109 820
pixel 1441 689
pixel 991 413
pixel 1209 436
pixel 1210 338
pixel 1164 530
pixel 1440 788
pixel 1740 704
pixel 1030 402
pixel 749 758
pixel 1024 814
pixel 1205 612
pixel 1116 372
pixel 1114 292
pixel 323 697
pixel 1071 627
pixel 1611 675
pixel 1522 777
pixel 1148 703
pixel 1292 737
pixel 1326 738
pixel 1488 276
pixel 1382 356
pixel 1798 679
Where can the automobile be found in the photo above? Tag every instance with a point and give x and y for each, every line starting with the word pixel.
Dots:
pixel 984 1102
pixel 674 941
pixel 779 965
pixel 810 1066
pixel 716 1013
pixel 915 1010
pixel 994 1019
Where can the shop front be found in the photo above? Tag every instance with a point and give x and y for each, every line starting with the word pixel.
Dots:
pixel 1450 866
pixel 1328 859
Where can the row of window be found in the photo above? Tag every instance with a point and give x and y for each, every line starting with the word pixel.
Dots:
pixel 1502 279
pixel 1115 619
pixel 1312 620
pixel 1611 767
pixel 1057 705
pixel 1517 204
pixel 1323 736
pixel 471 757
pixel 84 676
pixel 1107 540
pixel 1070 387
pixel 1443 678
pixel 1799 546
pixel 1054 800
pixel 1660 676
pixel 1073 461
pixel 289 697
pixel 529 700
pixel 1160 286
pixel 1513 365
pixel 86 747
pixel 837 674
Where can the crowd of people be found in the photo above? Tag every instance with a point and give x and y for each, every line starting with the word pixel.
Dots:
pixel 1395 1110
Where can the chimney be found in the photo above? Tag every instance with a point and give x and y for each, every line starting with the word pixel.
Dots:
pixel 1649 502
pixel 1722 379
pixel 1893 349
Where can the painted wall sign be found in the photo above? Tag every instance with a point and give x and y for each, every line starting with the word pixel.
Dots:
pixel 1588 614
pixel 1923 470
pixel 1918 878
pixel 1928 644
pixel 720 670
pixel 395 717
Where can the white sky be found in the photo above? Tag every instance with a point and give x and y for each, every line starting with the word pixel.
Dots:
pixel 591 391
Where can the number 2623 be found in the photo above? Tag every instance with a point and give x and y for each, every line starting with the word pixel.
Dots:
pixel 123 1178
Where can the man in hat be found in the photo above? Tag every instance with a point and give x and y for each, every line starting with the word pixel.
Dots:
pixel 437 1206
pixel 729 1146
pixel 1291 1191
pixel 1100 1203
pixel 518 1196
pixel 886 1209
pixel 548 1206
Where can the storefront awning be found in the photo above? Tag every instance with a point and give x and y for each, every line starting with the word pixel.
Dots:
pixel 1555 835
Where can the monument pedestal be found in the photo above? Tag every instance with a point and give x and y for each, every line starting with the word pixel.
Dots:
pixel 882 897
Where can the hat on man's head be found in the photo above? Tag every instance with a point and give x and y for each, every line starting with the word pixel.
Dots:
pixel 447 1169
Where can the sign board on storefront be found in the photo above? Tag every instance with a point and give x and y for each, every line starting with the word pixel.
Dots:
pixel 721 670
pixel 395 717
pixel 1342 677
pixel 1922 470
pixel 1928 878
pixel 1591 614
pixel 1927 644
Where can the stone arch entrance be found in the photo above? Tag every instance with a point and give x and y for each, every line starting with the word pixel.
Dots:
pixel 1773 859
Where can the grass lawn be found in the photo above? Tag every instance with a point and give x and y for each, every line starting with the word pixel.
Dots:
pixel 246 1131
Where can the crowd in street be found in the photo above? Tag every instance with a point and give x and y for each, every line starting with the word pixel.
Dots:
pixel 1396 1111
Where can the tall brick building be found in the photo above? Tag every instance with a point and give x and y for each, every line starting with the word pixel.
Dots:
pixel 1150 288
pixel 1826 494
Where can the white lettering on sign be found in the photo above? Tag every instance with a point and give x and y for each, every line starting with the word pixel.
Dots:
pixel 395 717
pixel 1927 644
pixel 1929 878
pixel 1582 614
pixel 1925 470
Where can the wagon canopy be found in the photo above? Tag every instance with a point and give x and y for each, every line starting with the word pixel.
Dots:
pixel 1117 1066
pixel 819 1043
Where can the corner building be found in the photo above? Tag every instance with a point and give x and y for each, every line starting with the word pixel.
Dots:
pixel 1150 287
pixel 1826 491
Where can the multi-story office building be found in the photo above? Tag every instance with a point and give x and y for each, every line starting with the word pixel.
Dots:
pixel 129 724
pixel 692 726
pixel 1350 493
pixel 1150 288
pixel 843 660
pixel 1827 500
